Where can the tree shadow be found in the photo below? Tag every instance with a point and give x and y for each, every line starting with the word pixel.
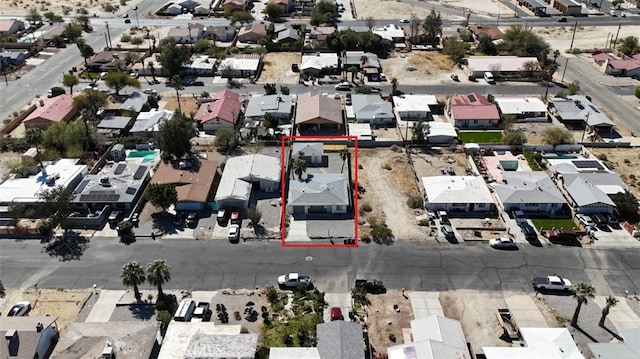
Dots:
pixel 142 311
pixel 67 249
pixel 577 327
pixel 615 335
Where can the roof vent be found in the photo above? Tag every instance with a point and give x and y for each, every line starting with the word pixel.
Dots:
pixel 39 327
pixel 208 108
pixel 11 334
pixel 104 181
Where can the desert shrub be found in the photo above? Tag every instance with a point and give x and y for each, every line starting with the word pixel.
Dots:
pixel 414 202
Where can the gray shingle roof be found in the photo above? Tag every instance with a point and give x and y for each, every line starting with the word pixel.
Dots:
pixel 319 189
pixel 370 107
pixel 340 340
pixel 528 187
pixel 585 193
pixel 578 107
pixel 308 148
pixel 259 106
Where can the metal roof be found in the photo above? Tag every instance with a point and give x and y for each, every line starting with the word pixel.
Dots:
pixel 319 189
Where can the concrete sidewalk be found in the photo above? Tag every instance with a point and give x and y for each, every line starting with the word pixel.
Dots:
pixel 621 316
pixel 425 304
pixel 525 312
pixel 104 306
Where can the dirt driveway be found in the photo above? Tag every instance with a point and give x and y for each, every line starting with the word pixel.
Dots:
pixel 277 68
pixel 388 181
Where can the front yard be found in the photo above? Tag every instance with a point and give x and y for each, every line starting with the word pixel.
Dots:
pixel 550 223
pixel 480 136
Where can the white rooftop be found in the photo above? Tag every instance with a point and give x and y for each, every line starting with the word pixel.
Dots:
pixel 441 129
pixel 434 337
pixel 520 105
pixel 389 32
pixel 548 343
pixel 456 189
pixel 66 173
pixel 361 130
pixel 179 335
pixel 240 172
pixel 414 102
pixel 319 61
pixel 240 64
pixel 203 62
pixel 150 121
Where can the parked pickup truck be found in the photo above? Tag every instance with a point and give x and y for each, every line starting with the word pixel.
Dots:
pixel 552 282
pixel 293 280
pixel 371 285
pixel 202 313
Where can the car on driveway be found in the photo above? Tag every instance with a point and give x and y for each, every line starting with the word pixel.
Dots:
pixel 503 243
pixel 234 233
pixel 585 220
pixel 552 282
pixel 222 216
pixel 235 217
pixel 19 309
pixel 336 314
pixel 343 86
pixel 447 230
pixel 192 219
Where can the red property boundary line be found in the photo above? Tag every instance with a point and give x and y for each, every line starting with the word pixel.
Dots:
pixel 283 172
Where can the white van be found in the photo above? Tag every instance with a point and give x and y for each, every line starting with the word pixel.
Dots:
pixel 488 76
pixel 184 311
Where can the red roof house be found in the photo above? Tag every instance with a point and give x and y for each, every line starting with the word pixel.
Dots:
pixel 223 111
pixel 473 111
pixel 52 110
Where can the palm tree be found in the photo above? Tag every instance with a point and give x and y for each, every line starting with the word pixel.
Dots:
pixel 344 155
pixel 152 69
pixel 176 83
pixel 394 86
pixel 581 292
pixel 133 275
pixel 158 274
pixel 354 72
pixel 610 301
pixel 363 61
pixel 299 166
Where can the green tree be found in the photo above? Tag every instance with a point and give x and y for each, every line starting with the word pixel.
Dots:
pixel 521 41
pixel 363 89
pixel 72 32
pixel 174 136
pixel 176 82
pixel 626 204
pixel 33 16
pixel 380 232
pixel 254 215
pixel 158 273
pixel 432 26
pixel 273 11
pixel 323 13
pixel 285 90
pixel 242 17
pixel 57 91
pixel 33 136
pixel 610 301
pixel 270 89
pixel 227 138
pixel 152 70
pixel 486 45
pixel 172 56
pixel 454 48
pixel 50 16
pixel 161 195
pixel 70 80
pixel 201 46
pixel 83 21
pixel 514 138
pixel 136 41
pixel 298 167
pixel 272 295
pixel 88 104
pixel 630 46
pixel 573 87
pixel 118 80
pixel 344 156
pixel 86 51
pixel 394 86
pixel 66 137
pixel 581 293
pixel 228 72
pixel 55 204
pixel 637 92
pixel 132 276
pixel 418 131
pixel 370 22
pixel 557 136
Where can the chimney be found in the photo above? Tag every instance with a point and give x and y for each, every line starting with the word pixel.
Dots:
pixel 41 103
pixel 208 108
pixel 39 327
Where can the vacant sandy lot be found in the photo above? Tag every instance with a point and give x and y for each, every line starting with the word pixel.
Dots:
pixel 187 103
pixel 624 161
pixel 388 183
pixel 277 68
pixel 587 37
pixel 22 7
pixel 398 9
pixel 417 67
pixel 384 320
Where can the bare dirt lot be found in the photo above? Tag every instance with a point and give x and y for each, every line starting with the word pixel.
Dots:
pixel 385 320
pixel 431 162
pixel 187 103
pixel 624 161
pixel 277 68
pixel 399 9
pixel 22 7
pixel 417 67
pixel 388 183
pixel 587 37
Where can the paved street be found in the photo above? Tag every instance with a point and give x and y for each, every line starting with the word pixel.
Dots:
pixel 212 265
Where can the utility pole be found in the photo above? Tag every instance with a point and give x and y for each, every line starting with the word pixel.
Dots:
pixel 136 10
pixel 515 9
pixel 615 42
pixel 566 63
pixel 108 35
pixel 575 27
pixel 586 124
pixel 606 44
pixel 498 23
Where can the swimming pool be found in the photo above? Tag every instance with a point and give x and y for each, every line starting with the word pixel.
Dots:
pixel 147 156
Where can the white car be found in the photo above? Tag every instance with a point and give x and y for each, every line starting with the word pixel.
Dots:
pixel 234 233
pixel 552 282
pixel 19 309
pixel 404 21
pixel 503 243
pixel 585 220
pixel 343 86
pixel 292 280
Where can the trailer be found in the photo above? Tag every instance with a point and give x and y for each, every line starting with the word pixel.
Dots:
pixel 507 323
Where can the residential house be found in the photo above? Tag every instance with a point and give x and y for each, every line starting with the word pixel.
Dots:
pixel 577 111
pixel 628 348
pixel 530 192
pixel 472 111
pixel 252 33
pixel 65 173
pixel 567 7
pixel 28 336
pixel 288 35
pixel 49 31
pixel 366 62
pixel 624 67
pixel 202 65
pixel 134 102
pixel 147 124
pixel 223 112
pixel 478 31
pixel 476 66
pixel 287 5
pixel 11 58
pixel 457 194
pixel 319 64
pixel 230 6
pixel 107 61
pixel 278 107
pixel 245 65
pixel 434 337
pixel 220 33
pixel 361 130
pixel 311 152
pixel 239 176
pixel 391 32
pixel 52 110
pixel 114 126
pixel 200 7
pixel 194 184
pixel 319 193
pixel 372 109
pixel 186 340
pixel 523 109
pixel 316 112
pixel 132 340
pixel 548 343
pixel 118 185
pixel 440 133
pixel 415 35
pixel 340 339
pixel 414 107
pixel 10 26
pixel 144 67
pixel 320 33
pixel 186 34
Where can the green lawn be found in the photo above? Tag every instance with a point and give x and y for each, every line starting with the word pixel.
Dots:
pixel 480 136
pixel 558 223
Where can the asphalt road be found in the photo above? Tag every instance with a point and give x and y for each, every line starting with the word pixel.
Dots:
pixel 211 265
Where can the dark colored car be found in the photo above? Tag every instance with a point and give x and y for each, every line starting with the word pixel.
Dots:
pixel 223 216
pixel 561 235
pixel 600 220
pixel 529 232
pixel 613 220
pixel 562 19
pixel 336 314
pixel 192 219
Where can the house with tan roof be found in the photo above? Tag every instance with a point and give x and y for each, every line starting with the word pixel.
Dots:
pixel 478 31
pixel 186 34
pixel 252 33
pixel 52 110
pixel 287 5
pixel 10 26
pixel 194 184
pixel 222 112
pixel 316 112
pixel 472 111
pixel 109 61
pixel 230 6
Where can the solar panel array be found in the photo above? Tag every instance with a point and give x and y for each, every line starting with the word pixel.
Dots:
pixel 140 172
pixel 131 191
pixel 100 196
pixel 119 169
pixel 81 186
pixel 588 164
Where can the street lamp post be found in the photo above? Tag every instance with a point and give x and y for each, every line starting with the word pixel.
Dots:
pixel 136 10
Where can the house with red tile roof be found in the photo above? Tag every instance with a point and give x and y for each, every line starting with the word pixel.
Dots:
pixel 52 110
pixel 613 65
pixel 223 111
pixel 493 32
pixel 472 111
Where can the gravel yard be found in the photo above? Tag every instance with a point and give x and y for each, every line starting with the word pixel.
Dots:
pixel 236 301
pixel 277 68
pixel 384 320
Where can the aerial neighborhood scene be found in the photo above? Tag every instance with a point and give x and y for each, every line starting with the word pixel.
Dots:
pixel 320 179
